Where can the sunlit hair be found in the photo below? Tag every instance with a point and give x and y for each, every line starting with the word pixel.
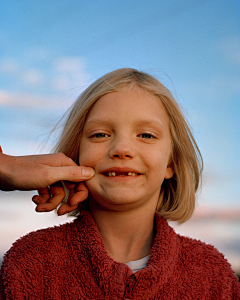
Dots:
pixel 177 197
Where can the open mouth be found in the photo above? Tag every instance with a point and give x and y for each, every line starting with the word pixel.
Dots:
pixel 113 174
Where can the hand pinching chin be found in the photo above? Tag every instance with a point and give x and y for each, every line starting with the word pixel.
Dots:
pixel 50 198
pixel 48 174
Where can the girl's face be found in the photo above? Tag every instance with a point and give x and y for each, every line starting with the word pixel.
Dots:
pixel 126 139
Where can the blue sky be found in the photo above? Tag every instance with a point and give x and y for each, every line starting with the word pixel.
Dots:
pixel 50 50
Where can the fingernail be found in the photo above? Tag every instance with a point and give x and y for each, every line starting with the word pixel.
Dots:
pixel 88 172
pixel 1 150
pixel 42 210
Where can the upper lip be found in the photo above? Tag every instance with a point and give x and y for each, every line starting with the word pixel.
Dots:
pixel 121 169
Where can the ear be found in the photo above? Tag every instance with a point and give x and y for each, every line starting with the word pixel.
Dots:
pixel 169 172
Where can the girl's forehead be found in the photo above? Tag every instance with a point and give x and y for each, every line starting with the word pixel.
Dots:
pixel 129 104
pixel 128 96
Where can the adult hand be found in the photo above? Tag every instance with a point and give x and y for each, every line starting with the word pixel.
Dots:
pixel 43 173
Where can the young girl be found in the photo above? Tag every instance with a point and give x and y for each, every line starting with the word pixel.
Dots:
pixel 128 127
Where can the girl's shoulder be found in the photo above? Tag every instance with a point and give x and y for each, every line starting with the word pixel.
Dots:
pixel 36 258
pixel 194 248
pixel 41 244
pixel 204 259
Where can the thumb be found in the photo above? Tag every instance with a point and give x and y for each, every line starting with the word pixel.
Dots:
pixel 73 173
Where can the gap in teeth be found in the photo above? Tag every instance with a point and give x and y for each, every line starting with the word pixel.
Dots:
pixel 110 174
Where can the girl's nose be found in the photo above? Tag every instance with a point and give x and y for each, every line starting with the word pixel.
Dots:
pixel 122 149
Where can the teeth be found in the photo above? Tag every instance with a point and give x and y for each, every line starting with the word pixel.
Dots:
pixel 110 174
pixel 132 174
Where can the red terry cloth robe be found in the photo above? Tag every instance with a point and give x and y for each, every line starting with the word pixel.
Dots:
pixel 71 262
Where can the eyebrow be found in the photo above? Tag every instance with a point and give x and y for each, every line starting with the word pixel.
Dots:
pixel 137 122
pixel 150 122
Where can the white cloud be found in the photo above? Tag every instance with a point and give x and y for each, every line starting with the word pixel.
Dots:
pixel 27 100
pixel 62 83
pixel 32 76
pixel 67 73
pixel 4 97
pixel 9 66
pixel 69 64
pixel 38 53
pixel 70 73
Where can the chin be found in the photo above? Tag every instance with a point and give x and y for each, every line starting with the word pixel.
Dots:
pixel 113 201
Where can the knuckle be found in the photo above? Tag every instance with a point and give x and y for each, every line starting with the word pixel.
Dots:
pixel 60 154
pixel 71 162
pixel 60 157
pixel 63 157
pixel 73 171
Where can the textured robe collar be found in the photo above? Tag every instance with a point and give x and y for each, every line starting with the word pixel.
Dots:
pixel 111 275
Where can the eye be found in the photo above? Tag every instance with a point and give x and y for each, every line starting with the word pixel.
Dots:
pixel 99 135
pixel 147 136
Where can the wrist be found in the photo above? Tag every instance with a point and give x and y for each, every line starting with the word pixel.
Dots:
pixel 6 174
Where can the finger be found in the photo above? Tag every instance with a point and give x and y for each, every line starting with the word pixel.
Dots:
pixel 43 197
pixel 71 173
pixel 56 160
pixel 66 208
pixel 57 195
pixel 71 189
pixel 77 194
pixel 80 195
pixel 70 186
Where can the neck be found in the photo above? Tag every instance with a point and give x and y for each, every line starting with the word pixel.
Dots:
pixel 127 235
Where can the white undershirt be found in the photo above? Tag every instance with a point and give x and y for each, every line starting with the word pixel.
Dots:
pixel 137 265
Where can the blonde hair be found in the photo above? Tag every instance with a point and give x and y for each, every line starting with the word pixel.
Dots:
pixel 177 196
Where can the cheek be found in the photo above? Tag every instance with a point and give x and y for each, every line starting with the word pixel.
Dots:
pixel 86 158
pixel 84 154
pixel 155 157
pixel 157 163
pixel 89 155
